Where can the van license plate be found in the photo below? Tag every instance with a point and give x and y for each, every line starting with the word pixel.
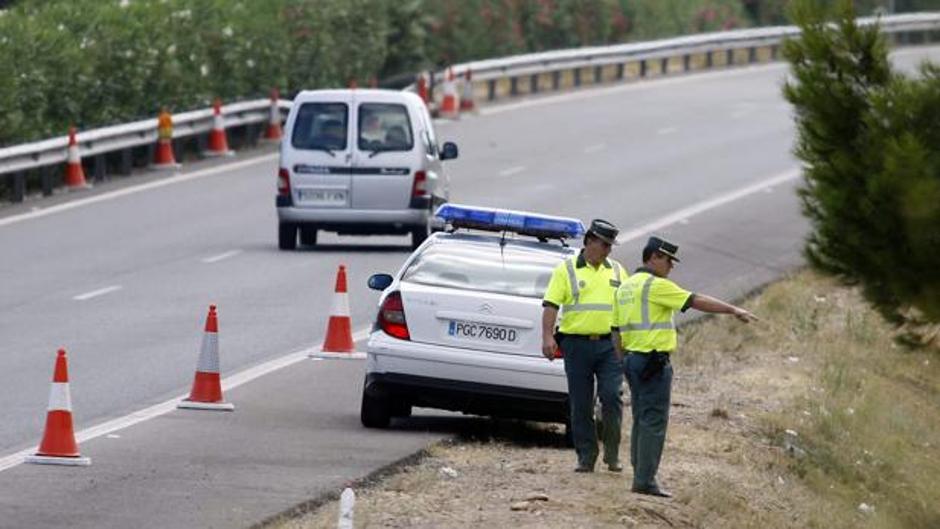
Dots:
pixel 322 197
pixel 465 330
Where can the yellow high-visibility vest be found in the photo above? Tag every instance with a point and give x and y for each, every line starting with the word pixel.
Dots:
pixel 584 294
pixel 644 312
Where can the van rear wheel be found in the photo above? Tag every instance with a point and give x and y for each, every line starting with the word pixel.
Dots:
pixel 418 236
pixel 308 235
pixel 286 236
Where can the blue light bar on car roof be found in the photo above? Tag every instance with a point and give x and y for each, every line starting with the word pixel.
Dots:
pixel 521 222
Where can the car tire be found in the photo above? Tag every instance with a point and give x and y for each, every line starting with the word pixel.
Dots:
pixel 286 236
pixel 400 409
pixel 308 235
pixel 375 412
pixel 419 235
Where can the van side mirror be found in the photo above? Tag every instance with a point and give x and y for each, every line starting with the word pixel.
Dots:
pixel 380 281
pixel 449 151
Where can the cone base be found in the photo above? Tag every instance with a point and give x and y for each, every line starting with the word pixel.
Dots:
pixel 354 355
pixel 57 460
pixel 212 406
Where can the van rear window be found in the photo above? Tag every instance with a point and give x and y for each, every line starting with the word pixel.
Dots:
pixel 321 126
pixel 384 127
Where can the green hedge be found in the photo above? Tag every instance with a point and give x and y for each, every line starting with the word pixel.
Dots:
pixel 100 62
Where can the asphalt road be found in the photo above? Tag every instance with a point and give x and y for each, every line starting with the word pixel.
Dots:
pixel 124 284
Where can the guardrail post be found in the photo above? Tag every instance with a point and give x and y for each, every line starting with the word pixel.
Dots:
pixel 620 70
pixel 19 186
pixel 534 83
pixel 514 86
pixel 127 162
pixel 774 52
pixel 556 80
pixel 643 68
pixel 46 174
pixel 686 62
pixel 709 60
pixel 100 168
pixel 752 55
pixel 577 76
pixel 598 74
pixel 491 90
pixel 729 57
pixel 664 65
pixel 202 143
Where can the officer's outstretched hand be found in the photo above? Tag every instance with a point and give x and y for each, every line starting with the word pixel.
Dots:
pixel 744 315
pixel 549 347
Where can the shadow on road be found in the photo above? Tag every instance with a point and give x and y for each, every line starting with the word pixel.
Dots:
pixel 485 430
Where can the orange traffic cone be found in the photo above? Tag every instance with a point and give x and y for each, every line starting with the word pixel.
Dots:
pixel 164 158
pixel 218 142
pixel 74 174
pixel 466 98
pixel 449 103
pixel 58 446
pixel 207 386
pixel 339 341
pixel 274 132
pixel 422 85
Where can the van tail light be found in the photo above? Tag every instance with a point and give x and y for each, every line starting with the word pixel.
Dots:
pixel 392 317
pixel 420 186
pixel 283 182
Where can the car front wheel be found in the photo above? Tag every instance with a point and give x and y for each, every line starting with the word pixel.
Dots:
pixel 308 235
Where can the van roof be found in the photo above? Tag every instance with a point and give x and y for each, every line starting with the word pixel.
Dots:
pixel 361 94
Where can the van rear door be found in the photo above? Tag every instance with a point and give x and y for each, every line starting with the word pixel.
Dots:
pixel 320 159
pixel 385 155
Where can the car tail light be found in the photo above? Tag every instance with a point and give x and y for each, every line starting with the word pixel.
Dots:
pixel 283 182
pixel 420 186
pixel 392 317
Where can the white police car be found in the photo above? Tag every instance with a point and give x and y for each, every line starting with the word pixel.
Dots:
pixel 459 326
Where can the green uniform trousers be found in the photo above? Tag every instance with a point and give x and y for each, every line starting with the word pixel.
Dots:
pixel 649 402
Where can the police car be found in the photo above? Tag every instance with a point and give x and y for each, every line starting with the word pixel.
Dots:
pixel 459 326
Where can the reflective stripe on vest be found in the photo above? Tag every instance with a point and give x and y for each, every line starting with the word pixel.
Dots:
pixel 576 290
pixel 645 324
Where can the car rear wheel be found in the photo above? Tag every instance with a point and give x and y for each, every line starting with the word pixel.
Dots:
pixel 419 235
pixel 308 235
pixel 375 412
pixel 286 236
pixel 400 409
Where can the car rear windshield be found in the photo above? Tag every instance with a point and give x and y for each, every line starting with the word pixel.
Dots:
pixel 516 271
pixel 321 126
pixel 384 127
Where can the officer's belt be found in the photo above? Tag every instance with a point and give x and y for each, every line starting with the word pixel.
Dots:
pixel 653 352
pixel 591 337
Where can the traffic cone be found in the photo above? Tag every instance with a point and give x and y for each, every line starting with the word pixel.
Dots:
pixel 274 132
pixel 449 103
pixel 466 98
pixel 422 85
pixel 338 342
pixel 58 446
pixel 207 386
pixel 74 174
pixel 163 157
pixel 218 143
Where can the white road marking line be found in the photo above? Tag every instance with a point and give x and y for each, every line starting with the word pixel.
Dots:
pixel 512 170
pixel 706 205
pixel 221 256
pixel 595 148
pixel 243 377
pixel 96 293
pixel 666 130
pixel 186 177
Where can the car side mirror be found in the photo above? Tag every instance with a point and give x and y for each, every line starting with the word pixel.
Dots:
pixel 449 151
pixel 380 281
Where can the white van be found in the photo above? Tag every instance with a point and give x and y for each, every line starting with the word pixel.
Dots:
pixel 359 162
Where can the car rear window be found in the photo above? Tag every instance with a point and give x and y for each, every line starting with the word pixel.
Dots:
pixel 384 127
pixel 516 270
pixel 321 126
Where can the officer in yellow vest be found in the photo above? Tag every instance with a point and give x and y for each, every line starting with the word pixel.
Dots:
pixel 643 313
pixel 583 287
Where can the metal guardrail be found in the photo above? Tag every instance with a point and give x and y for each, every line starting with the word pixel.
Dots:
pixel 524 73
pixel 491 79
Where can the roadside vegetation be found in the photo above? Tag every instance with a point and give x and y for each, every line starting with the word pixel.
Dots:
pixel 812 418
pixel 97 62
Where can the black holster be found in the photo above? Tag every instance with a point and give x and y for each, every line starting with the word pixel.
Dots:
pixel 655 365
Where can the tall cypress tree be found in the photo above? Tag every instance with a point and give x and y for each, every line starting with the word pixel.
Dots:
pixel 869 140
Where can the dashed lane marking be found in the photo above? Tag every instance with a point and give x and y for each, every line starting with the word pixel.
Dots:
pixel 221 256
pixel 97 293
pixel 512 170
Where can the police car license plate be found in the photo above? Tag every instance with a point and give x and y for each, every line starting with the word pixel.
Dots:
pixel 466 330
pixel 322 197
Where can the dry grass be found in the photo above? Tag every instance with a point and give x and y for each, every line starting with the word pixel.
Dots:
pixel 864 420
